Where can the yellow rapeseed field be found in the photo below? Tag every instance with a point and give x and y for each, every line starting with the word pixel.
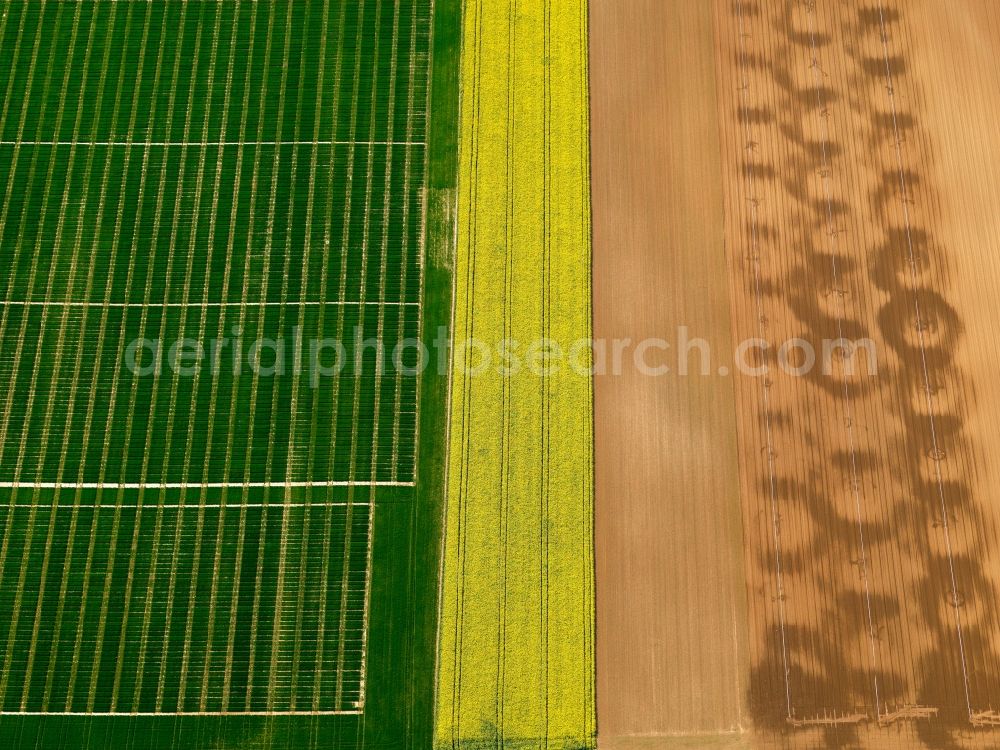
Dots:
pixel 517 605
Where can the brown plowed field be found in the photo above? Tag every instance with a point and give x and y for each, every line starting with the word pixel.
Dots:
pixel 668 511
pixel 833 175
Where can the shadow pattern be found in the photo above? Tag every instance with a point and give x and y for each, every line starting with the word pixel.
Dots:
pixel 865 528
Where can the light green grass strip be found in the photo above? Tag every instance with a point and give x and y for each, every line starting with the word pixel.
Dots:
pixel 516 665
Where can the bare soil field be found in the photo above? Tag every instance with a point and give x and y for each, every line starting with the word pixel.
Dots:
pixel 853 145
pixel 670 655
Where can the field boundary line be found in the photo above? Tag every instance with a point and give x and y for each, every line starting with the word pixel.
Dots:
pixel 208 144
pixel 190 485
pixel 151 305
pixel 194 507
pixel 168 714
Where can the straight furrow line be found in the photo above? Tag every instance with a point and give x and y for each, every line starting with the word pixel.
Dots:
pixel 22 122
pixel 277 630
pixel 925 371
pixel 188 485
pixel 112 545
pixel 348 199
pixel 193 305
pixel 751 193
pixel 468 287
pixel 196 548
pixel 545 441
pixel 404 262
pixel 167 714
pixel 5 317
pixel 176 506
pixel 826 168
pixel 53 640
pixel 587 502
pixel 88 424
pixel 506 397
pixel 150 586
pixel 203 505
pixel 321 635
pixel 254 390
pixel 377 401
pixel 290 458
pixel 356 401
pixel 208 144
pixel 35 372
pixel 230 245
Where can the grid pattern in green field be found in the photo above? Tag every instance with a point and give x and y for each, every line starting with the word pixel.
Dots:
pixel 251 607
pixel 241 180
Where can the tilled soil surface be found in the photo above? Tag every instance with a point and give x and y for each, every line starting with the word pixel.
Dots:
pixel 852 144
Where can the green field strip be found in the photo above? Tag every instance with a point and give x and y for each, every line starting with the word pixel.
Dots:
pixel 515 658
pixel 187 558
pixel 151 251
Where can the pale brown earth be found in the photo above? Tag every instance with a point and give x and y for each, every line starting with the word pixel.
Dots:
pixel 671 652
pixel 814 169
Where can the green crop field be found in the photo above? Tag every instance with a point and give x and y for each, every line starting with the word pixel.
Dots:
pixel 222 229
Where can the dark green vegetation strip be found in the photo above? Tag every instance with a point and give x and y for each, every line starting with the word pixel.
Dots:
pixel 220 171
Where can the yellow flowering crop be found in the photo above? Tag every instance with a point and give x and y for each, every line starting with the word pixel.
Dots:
pixel 516 636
